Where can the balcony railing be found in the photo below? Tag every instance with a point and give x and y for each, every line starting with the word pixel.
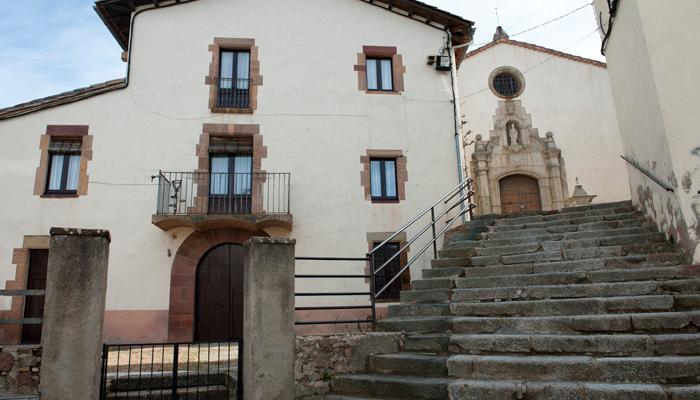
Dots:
pixel 233 93
pixel 199 193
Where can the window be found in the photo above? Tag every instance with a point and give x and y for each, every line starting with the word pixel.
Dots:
pixel 379 74
pixel 234 79
pixel 383 179
pixel 230 181
pixel 507 82
pixel 64 166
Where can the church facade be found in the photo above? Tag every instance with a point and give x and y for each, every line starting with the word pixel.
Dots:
pixel 541 130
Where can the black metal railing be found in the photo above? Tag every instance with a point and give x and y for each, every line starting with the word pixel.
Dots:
pixel 445 211
pixel 187 193
pixel 34 322
pixel 206 371
pixel 349 299
pixel 233 93
pixel 648 174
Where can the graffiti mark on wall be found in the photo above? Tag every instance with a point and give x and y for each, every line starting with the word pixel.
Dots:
pixel 696 151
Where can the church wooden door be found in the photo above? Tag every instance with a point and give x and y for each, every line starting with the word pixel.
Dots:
pixel 219 294
pixel 519 193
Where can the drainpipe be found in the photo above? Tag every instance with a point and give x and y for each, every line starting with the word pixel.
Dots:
pixel 457 117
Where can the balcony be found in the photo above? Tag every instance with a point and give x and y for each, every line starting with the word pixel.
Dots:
pixel 257 201
pixel 233 93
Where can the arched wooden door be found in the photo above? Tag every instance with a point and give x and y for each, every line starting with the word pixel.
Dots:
pixel 219 295
pixel 519 193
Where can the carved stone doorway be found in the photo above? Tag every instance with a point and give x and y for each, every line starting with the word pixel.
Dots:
pixel 519 193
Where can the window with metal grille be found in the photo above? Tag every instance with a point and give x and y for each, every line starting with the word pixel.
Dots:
pixel 506 84
pixel 383 179
pixel 380 75
pixel 64 166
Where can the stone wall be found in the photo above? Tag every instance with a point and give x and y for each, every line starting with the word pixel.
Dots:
pixel 319 358
pixel 19 370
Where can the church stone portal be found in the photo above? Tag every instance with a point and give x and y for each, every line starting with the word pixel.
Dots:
pixel 515 169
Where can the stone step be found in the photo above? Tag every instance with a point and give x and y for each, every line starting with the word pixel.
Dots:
pixel 602 209
pixel 501 390
pixel 464 244
pixel 567 229
pixel 561 307
pixel 447 272
pixel 550 256
pixel 576 219
pixel 450 262
pixel 391 387
pixel 575 277
pixel 456 252
pixel 415 324
pixel 598 206
pixel 687 322
pixel 607 345
pixel 592 264
pixel 426 296
pixel 577 235
pixel 408 364
pixel 433 283
pixel 341 397
pixel 558 291
pixel 663 369
pixel 418 310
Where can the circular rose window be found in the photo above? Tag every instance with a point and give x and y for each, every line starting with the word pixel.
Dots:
pixel 507 82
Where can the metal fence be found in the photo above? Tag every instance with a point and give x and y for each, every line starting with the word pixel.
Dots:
pixel 187 193
pixel 202 371
pixel 327 294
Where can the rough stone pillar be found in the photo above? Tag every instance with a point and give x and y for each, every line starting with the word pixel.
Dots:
pixel 268 315
pixel 71 337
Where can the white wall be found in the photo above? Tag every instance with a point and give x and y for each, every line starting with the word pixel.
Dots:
pixel 653 68
pixel 314 122
pixel 571 99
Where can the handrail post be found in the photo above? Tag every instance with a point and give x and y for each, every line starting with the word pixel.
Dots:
pixel 176 349
pixel 432 219
pixel 372 299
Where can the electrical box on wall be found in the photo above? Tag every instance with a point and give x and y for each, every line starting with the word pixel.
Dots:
pixel 443 63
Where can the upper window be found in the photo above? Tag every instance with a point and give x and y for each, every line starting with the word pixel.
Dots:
pixel 64 166
pixel 507 82
pixel 380 74
pixel 234 79
pixel 383 179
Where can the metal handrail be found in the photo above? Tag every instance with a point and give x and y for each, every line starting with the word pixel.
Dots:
pixel 459 187
pixel 422 231
pixel 435 235
pixel 648 174
pixel 415 257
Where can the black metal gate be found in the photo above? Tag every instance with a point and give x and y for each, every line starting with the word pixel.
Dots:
pixel 172 371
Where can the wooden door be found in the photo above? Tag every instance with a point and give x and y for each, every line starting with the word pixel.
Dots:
pixel 519 193
pixel 219 293
pixel 34 305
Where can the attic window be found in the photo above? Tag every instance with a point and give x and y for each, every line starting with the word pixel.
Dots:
pixel 507 82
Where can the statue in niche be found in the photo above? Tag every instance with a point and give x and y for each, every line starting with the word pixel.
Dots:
pixel 513 134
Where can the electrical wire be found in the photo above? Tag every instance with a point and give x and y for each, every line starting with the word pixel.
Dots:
pixel 540 25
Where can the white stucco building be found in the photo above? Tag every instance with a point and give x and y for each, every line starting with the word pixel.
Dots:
pixel 514 94
pixel 349 134
pixel 654 75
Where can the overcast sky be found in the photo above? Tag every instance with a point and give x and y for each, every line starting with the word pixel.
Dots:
pixel 51 46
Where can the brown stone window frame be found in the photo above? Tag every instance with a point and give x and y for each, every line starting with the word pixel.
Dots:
pixel 203 161
pixel 381 52
pixel 63 132
pixel 401 173
pixel 212 79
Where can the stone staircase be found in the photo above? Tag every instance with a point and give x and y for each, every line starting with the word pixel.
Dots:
pixel 586 303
